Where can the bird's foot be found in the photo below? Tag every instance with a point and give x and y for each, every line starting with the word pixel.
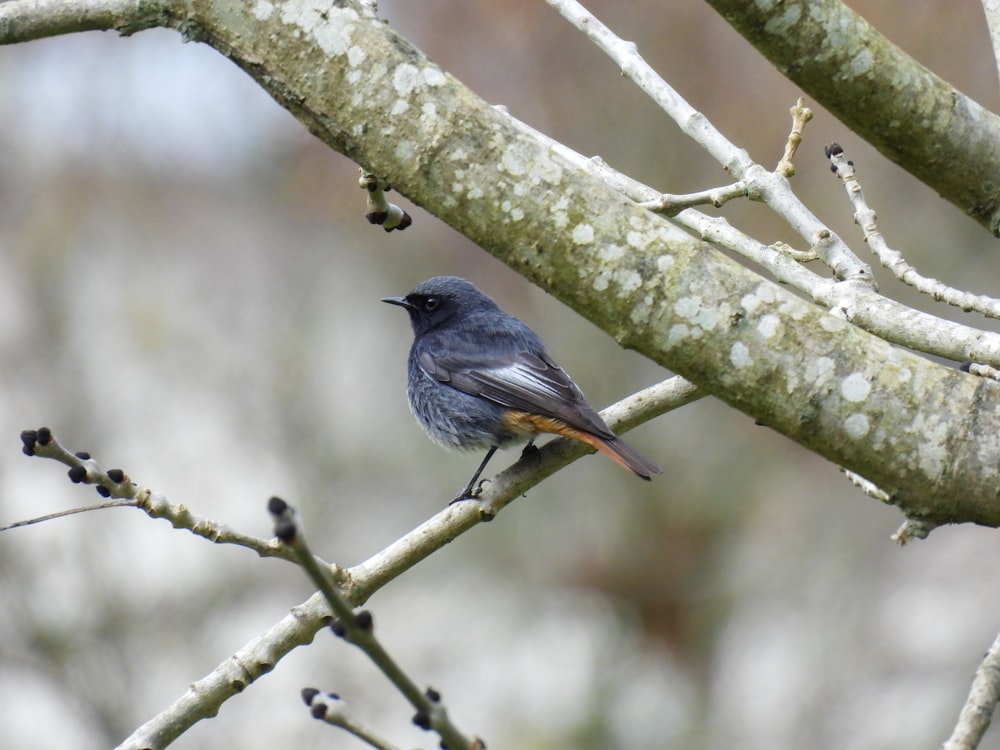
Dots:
pixel 470 492
pixel 530 451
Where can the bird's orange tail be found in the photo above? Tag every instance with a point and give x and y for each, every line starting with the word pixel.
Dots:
pixel 622 454
pixel 614 448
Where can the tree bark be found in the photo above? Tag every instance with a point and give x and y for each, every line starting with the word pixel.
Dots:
pixel 926 434
pixel 919 121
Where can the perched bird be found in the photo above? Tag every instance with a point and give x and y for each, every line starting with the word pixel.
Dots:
pixel 479 378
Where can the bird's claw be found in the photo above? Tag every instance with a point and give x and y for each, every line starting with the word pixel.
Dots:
pixel 470 493
pixel 530 451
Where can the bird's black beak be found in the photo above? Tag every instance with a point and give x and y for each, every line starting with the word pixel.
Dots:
pixel 401 301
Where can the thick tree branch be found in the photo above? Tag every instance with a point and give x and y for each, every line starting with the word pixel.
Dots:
pixel 26 20
pixel 917 120
pixel 820 381
pixel 927 435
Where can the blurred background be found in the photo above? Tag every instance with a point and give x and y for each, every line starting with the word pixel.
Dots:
pixel 189 291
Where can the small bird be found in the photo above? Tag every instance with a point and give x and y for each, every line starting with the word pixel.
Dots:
pixel 479 378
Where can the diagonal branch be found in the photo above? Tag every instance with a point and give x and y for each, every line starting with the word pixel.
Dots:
pixel 358 629
pixel 919 121
pixel 977 713
pixel 205 697
pixel 892 259
pixel 770 187
pixel 27 20
pixel 760 348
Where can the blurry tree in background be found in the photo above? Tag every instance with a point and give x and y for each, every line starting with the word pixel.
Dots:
pixel 189 290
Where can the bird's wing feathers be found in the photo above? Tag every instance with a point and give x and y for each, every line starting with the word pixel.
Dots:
pixel 525 381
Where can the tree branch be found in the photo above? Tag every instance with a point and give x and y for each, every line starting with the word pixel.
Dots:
pixel 358 629
pixel 977 713
pixel 27 20
pixel 927 435
pixel 920 122
pixel 992 10
pixel 892 259
pixel 205 697
pixel 772 188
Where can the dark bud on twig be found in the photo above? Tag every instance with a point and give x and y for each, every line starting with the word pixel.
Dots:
pixel 284 520
pixel 285 530
pixel 77 474
pixel 116 475
pixel 44 436
pixel 82 455
pixel 103 491
pixel 831 150
pixel 422 719
pixel 364 621
pixel 29 437
pixel 403 223
pixel 318 707
pixel 338 628
pixel 393 218
pixel 432 695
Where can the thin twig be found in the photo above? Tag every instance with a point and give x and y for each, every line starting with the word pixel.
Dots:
pixel 669 205
pixel 359 630
pixel 128 503
pixel 857 302
pixel 983 371
pixel 115 483
pixel 759 184
pixel 892 259
pixel 868 487
pixel 977 713
pixel 331 709
pixel 380 211
pixel 801 114
pixel 205 697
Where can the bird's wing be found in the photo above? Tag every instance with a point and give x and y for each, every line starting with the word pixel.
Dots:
pixel 524 381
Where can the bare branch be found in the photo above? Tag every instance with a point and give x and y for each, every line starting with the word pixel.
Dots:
pixel 801 114
pixel 977 713
pixel 758 183
pixel 204 698
pixel 331 709
pixel 26 20
pixel 913 117
pixel 671 204
pixel 893 259
pixel 992 10
pixel 358 628
pixel 115 483
pixel 661 291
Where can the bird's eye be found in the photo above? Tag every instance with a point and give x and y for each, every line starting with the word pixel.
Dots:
pixel 431 304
